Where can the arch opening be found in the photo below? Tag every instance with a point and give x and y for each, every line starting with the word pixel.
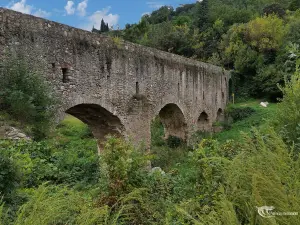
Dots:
pixel 220 115
pixel 203 122
pixel 173 121
pixel 101 121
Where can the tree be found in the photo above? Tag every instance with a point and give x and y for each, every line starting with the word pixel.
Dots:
pixel 274 9
pixel 265 33
pixel 294 5
pixel 201 15
pixel 104 27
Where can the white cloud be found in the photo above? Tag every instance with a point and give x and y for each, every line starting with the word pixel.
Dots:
pixel 96 17
pixel 42 13
pixel 81 8
pixel 22 7
pixel 155 5
pixel 70 8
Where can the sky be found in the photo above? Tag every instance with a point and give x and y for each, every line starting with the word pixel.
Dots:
pixel 85 14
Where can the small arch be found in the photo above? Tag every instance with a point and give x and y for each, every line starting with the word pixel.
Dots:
pixel 203 122
pixel 173 121
pixel 101 121
pixel 220 115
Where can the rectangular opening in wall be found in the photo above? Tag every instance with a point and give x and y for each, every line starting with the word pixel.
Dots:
pixel 137 88
pixel 65 73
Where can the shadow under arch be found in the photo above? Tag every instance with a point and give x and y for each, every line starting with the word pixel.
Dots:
pixel 203 122
pixel 101 121
pixel 173 121
pixel 220 115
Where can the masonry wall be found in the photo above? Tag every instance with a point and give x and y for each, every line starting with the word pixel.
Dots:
pixel 123 86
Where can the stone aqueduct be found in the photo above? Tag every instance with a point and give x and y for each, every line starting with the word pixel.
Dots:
pixel 117 87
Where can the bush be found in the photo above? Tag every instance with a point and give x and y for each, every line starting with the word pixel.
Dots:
pixel 239 113
pixel 174 142
pixel 122 168
pixel 26 97
pixel 9 175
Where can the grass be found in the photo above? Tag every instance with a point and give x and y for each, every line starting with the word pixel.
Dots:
pixel 73 127
pixel 260 115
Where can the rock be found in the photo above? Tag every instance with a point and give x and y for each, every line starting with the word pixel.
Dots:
pixel 264 104
pixel 21 135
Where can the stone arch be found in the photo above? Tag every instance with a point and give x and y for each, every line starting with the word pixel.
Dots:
pixel 203 122
pixel 220 115
pixel 101 121
pixel 173 120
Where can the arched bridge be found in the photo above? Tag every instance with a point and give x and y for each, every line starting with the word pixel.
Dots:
pixel 117 87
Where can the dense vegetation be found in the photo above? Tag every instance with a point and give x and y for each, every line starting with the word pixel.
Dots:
pixel 26 98
pixel 252 38
pixel 58 178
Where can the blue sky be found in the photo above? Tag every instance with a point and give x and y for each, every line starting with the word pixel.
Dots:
pixel 86 13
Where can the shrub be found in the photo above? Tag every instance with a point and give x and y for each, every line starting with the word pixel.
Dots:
pixel 9 175
pixel 174 142
pixel 122 168
pixel 27 97
pixel 239 113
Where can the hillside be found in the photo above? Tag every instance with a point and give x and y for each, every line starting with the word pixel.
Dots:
pixel 251 38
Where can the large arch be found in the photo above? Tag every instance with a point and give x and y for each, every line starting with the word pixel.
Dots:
pixel 101 121
pixel 173 121
pixel 203 122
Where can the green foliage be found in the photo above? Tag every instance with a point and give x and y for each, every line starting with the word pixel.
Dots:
pixel 174 142
pixel 288 116
pixel 274 9
pixel 239 113
pixel 258 117
pixel 59 205
pixel 9 176
pixel 26 97
pixel 264 155
pixel 157 133
pixel 121 169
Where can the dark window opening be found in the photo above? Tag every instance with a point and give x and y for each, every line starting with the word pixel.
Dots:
pixel 65 75
pixel 178 90
pixel 223 95
pixel 53 65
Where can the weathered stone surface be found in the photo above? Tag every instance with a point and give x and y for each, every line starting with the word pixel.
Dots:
pixel 8 132
pixel 117 87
